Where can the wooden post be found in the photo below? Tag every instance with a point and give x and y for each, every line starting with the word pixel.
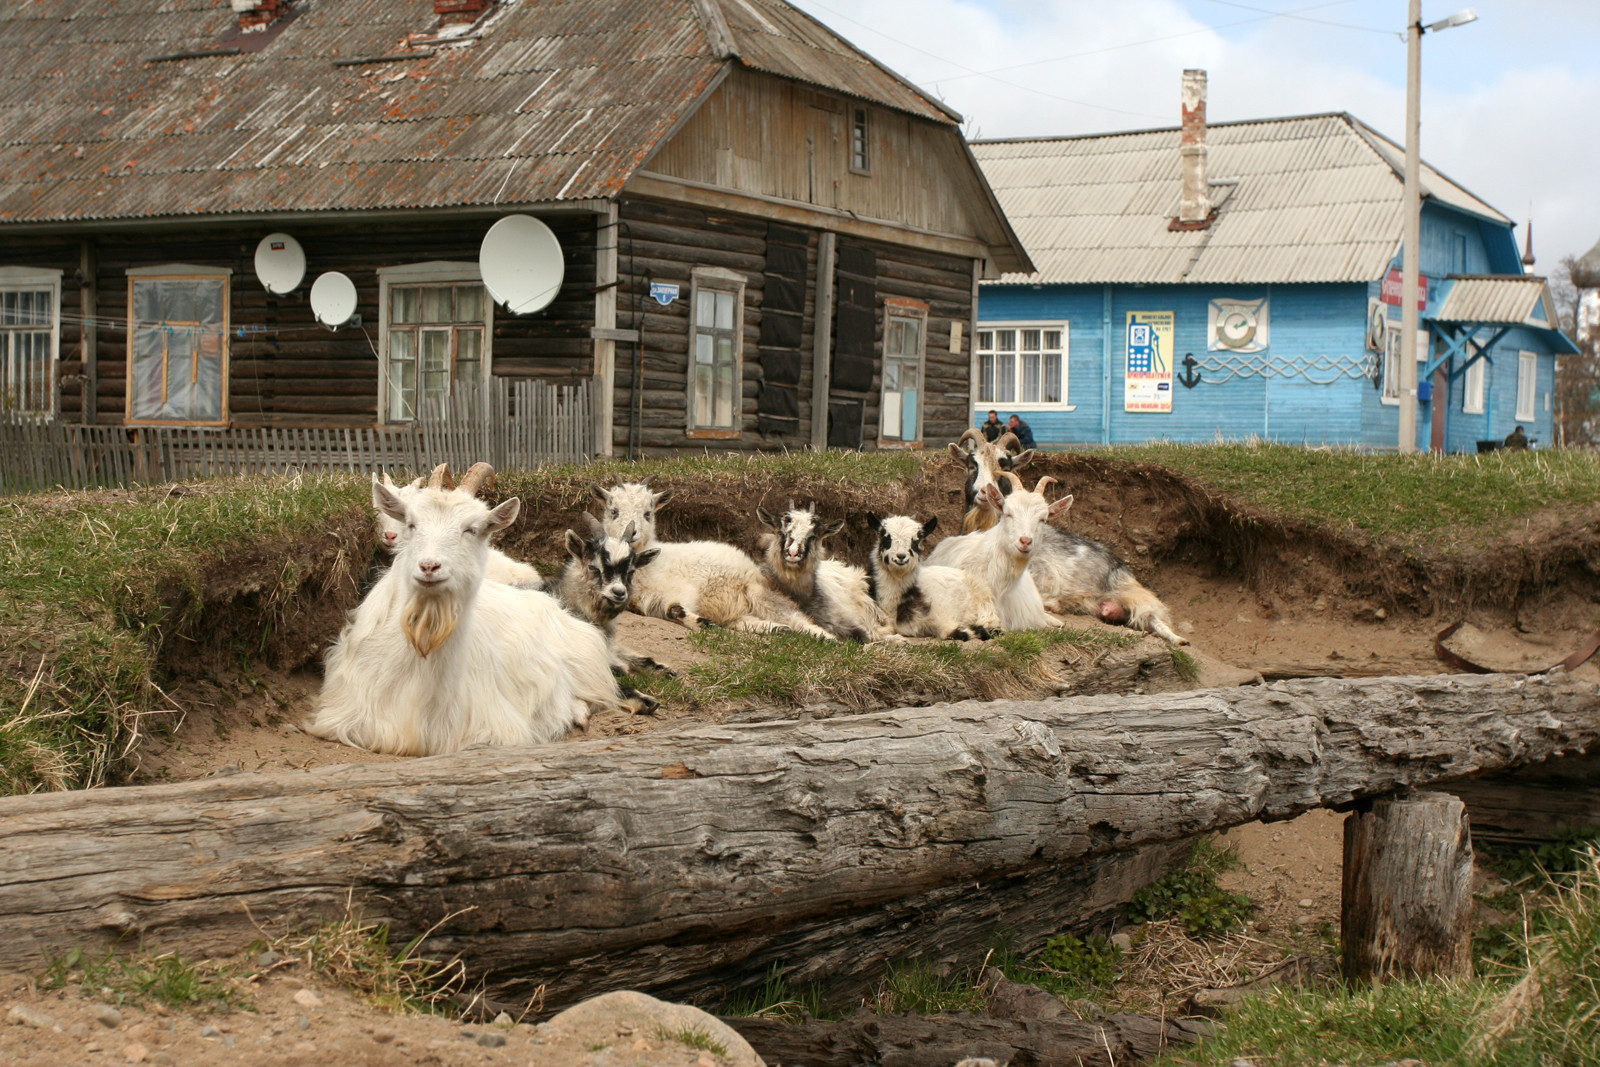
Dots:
pixel 822 341
pixel 605 319
pixel 89 331
pixel 1407 899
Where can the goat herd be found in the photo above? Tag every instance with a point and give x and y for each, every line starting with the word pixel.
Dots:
pixel 457 644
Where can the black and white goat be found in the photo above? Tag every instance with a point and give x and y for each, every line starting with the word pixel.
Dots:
pixel 597 583
pixel 697 582
pixel 835 594
pixel 925 600
pixel 987 464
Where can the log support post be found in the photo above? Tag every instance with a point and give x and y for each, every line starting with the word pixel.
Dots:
pixel 1407 893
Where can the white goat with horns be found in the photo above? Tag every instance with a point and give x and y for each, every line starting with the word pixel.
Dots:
pixel 999 557
pixel 501 567
pixel 435 658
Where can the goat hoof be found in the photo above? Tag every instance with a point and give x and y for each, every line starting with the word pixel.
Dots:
pixel 960 635
pixel 707 624
pixel 676 613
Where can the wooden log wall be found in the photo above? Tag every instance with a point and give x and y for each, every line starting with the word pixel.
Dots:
pixel 286 369
pixel 664 242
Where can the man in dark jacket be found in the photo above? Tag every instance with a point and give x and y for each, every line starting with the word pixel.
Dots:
pixel 992 429
pixel 1022 430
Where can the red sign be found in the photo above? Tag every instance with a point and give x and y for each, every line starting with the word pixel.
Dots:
pixel 1389 292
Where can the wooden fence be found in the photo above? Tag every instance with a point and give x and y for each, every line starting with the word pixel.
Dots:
pixel 512 423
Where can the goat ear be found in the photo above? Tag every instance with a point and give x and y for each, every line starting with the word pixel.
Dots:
pixel 576 547
pixel 504 515
pixel 386 501
pixel 662 497
pixel 873 522
pixel 994 497
pixel 833 528
pixel 764 517
pixel 957 451
pixel 931 525
pixel 1059 508
pixel 647 557
pixel 597 492
pixel 1022 459
pixel 630 532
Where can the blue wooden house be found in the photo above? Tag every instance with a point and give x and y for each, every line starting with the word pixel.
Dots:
pixel 1198 285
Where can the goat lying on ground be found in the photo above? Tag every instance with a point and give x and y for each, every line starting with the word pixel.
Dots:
pixel 835 594
pixel 597 583
pixel 1074 575
pixel 435 658
pixel 999 557
pixel 697 582
pixel 924 600
pixel 501 567
pixel 987 463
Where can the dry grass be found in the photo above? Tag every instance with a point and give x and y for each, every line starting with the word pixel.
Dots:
pixel 356 953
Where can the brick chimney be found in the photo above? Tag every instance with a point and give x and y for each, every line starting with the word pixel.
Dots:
pixel 456 12
pixel 1194 204
pixel 257 15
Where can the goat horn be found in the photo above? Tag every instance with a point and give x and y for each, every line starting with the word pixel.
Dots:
pixel 440 478
pixel 1044 483
pixel 1008 436
pixel 972 434
pixel 478 475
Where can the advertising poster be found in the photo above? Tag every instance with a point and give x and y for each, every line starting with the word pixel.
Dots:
pixel 1148 382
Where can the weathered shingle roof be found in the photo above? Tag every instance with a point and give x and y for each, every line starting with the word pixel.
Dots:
pixel 556 100
pixel 1507 299
pixel 1310 199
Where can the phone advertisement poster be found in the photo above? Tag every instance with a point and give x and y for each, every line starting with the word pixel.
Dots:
pixel 1148 382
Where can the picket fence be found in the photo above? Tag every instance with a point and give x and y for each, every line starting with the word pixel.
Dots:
pixel 511 423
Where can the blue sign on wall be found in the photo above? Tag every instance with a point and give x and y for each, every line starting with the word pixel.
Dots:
pixel 664 292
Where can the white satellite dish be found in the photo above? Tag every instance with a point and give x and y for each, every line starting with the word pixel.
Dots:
pixel 333 298
pixel 280 263
pixel 521 263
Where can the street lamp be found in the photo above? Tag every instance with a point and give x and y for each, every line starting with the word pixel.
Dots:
pixel 1413 197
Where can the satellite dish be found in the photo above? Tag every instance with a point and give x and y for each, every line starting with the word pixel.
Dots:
pixel 521 264
pixel 333 298
pixel 280 263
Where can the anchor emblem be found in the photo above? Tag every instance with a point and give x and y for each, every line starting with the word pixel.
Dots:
pixel 1189 378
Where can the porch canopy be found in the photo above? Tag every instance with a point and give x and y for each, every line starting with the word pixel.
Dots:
pixel 1479 306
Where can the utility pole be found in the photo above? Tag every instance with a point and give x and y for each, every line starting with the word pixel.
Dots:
pixel 1411 252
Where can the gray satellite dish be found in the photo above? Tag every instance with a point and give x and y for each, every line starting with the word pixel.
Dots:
pixel 333 298
pixel 280 263
pixel 521 263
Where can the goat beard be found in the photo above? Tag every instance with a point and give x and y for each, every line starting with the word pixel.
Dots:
pixel 430 621
pixel 979 519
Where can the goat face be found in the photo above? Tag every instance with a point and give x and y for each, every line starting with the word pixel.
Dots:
pixel 389 530
pixel 631 502
pixel 987 462
pixel 443 537
pixel 900 540
pixel 610 563
pixel 1023 514
pixel 799 532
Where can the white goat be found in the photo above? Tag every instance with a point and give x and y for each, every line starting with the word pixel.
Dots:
pixel 501 567
pixel 435 658
pixel 925 600
pixel 999 556
pixel 697 582
pixel 835 594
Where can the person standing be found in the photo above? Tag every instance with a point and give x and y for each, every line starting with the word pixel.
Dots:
pixel 992 429
pixel 1023 431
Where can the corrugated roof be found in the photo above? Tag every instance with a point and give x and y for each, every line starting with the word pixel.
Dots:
pixel 1316 198
pixel 553 101
pixel 1504 299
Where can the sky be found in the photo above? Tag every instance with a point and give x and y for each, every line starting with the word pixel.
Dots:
pixel 1503 98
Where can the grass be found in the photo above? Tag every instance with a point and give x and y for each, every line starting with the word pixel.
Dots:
pixel 693 1037
pixel 90 581
pixel 1541 1010
pixel 1415 498
pixel 357 954
pixel 915 987
pixel 139 979
pixel 1069 966
pixel 1191 894
pixel 774 998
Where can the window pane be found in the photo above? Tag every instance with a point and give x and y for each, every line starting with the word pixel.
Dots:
pixel 1005 386
pixel 8 309
pixel 402 390
pixel 891 376
pixel 403 305
pixel 469 303
pixel 705 303
pixel 724 311
pixel 986 339
pixel 703 348
pixel 1030 376
pixel 986 379
pixel 436 304
pixel 1005 340
pixel 1052 378
pixel 724 354
pixel 1030 340
pixel 178 349
pixel 469 349
pixel 727 395
pixel 703 399
pixel 434 377
pixel 1052 340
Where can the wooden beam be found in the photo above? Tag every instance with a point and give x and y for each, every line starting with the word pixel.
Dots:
pixel 793 212
pixel 822 340
pixel 89 329
pixel 673 860
pixel 605 327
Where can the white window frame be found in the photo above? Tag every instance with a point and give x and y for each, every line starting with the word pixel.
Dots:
pixel 181 272
pixel 860 123
pixel 1391 357
pixel 433 272
pixel 913 311
pixel 717 279
pixel 1527 386
pixel 1473 381
pixel 980 351
pixel 33 279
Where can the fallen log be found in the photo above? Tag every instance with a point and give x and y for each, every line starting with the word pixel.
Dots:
pixel 684 860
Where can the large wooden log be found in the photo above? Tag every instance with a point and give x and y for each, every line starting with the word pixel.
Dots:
pixel 667 860
pixel 1406 906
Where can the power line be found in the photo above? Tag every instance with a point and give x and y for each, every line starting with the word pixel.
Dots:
pixel 1301 18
